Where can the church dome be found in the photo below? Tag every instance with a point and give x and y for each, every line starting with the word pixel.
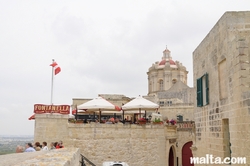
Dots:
pixel 167 58
pixel 163 62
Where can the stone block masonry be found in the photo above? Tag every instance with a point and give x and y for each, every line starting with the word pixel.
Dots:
pixel 222 126
pixel 58 157
pixel 135 144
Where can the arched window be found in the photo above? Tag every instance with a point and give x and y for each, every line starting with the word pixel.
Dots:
pixel 161 85
pixel 174 81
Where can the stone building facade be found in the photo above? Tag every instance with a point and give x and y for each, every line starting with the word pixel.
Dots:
pixel 222 83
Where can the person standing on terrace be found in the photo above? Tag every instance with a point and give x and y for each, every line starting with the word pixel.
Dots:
pixel 52 146
pixel 19 149
pixel 37 146
pixel 45 147
pixel 29 148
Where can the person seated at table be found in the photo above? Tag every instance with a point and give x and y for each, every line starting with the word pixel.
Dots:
pixel 117 120
pixel 108 122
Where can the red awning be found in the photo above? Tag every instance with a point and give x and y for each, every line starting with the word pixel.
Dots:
pixel 32 117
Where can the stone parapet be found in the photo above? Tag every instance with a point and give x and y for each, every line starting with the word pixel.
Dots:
pixel 134 144
pixel 58 157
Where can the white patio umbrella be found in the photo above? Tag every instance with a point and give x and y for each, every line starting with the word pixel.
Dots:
pixel 98 104
pixel 141 104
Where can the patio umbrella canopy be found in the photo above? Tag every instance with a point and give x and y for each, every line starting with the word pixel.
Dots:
pixel 98 104
pixel 141 104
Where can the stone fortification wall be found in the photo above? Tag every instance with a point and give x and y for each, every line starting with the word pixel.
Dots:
pixel 222 126
pixel 134 144
pixel 51 128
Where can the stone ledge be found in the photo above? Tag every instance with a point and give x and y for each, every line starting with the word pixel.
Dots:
pixel 58 157
pixel 12 159
pixel 118 126
pixel 52 116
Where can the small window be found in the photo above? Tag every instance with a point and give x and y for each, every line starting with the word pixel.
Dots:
pixel 174 81
pixel 202 91
pixel 161 85
pixel 169 103
pixel 161 103
pixel 179 118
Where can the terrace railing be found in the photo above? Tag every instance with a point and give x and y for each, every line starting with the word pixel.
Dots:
pixel 83 159
pixel 185 126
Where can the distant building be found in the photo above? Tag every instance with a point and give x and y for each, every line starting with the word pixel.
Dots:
pixel 164 74
pixel 167 86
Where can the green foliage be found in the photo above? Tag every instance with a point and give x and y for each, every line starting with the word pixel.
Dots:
pixel 71 120
pixel 157 120
pixel 7 152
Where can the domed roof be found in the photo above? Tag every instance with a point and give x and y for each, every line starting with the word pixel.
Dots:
pixel 163 62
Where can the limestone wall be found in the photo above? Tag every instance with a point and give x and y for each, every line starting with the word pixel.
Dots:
pixel 137 145
pixel 59 157
pixel 172 112
pixel 225 55
pixel 51 128
pixel 134 144
pixel 182 138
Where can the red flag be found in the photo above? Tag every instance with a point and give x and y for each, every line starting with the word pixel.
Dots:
pixel 57 69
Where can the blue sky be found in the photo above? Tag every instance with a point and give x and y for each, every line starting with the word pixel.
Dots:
pixel 101 47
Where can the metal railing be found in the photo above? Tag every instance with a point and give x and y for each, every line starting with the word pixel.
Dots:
pixel 83 159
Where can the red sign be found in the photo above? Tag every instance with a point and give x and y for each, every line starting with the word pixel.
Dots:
pixel 61 109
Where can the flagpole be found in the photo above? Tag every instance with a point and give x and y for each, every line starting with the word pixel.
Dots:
pixel 52 83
